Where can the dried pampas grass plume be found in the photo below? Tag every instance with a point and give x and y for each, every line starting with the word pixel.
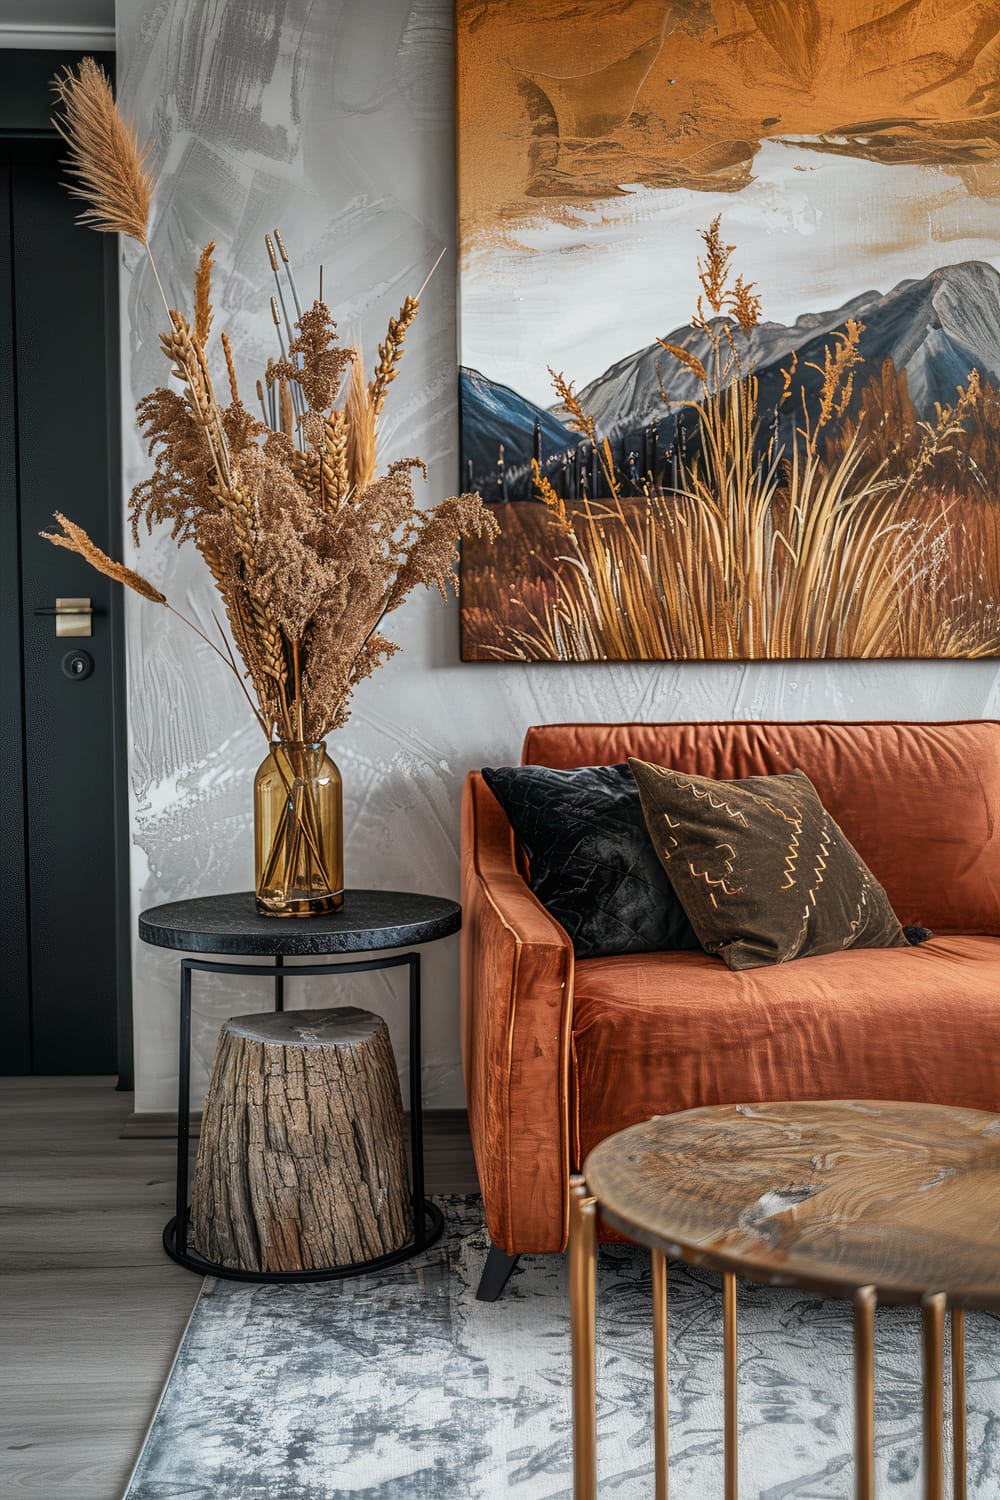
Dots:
pixel 105 157
pixel 75 539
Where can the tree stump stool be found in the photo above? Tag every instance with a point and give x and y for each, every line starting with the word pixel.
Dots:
pixel 301 1163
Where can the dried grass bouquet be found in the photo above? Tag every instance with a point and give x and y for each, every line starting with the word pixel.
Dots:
pixel 309 547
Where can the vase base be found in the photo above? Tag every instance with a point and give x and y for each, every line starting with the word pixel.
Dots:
pixel 303 906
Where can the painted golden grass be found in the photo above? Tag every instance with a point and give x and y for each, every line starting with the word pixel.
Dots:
pixel 870 533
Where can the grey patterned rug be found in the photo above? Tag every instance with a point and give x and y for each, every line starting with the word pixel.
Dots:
pixel 403 1387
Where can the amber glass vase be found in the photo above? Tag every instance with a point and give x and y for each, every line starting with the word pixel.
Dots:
pixel 298 832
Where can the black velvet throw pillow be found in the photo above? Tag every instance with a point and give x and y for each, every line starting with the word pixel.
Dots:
pixel 592 863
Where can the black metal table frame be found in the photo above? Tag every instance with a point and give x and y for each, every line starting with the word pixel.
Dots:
pixel 427 1218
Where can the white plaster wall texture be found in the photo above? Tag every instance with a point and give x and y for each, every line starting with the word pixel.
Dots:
pixel 335 122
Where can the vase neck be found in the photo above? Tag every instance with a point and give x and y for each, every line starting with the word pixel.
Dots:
pixel 303 758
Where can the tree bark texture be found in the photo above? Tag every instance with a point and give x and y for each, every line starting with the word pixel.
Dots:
pixel 301 1162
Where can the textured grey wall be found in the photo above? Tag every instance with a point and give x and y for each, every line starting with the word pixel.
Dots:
pixel 334 121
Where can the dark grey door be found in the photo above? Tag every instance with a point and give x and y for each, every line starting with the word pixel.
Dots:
pixel 61 780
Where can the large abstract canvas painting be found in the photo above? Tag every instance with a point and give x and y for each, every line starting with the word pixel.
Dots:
pixel 730 327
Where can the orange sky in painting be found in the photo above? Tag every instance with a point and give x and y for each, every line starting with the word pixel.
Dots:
pixel 562 103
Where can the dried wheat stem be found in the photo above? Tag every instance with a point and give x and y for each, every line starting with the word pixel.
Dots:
pixel 227 350
pixel 297 684
pixel 192 369
pixel 430 273
pixel 220 654
pixel 258 715
pixel 202 296
pixel 390 353
pixel 336 478
pixel 245 640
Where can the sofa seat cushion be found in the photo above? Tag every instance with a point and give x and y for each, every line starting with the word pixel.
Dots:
pixel 658 1032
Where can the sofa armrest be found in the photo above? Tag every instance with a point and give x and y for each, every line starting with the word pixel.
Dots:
pixel 517 988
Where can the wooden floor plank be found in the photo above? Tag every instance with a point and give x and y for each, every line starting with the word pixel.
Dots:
pixel 91 1310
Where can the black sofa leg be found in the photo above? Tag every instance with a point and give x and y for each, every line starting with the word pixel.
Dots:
pixel 496 1274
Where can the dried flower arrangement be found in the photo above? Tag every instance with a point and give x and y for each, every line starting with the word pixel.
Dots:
pixel 309 547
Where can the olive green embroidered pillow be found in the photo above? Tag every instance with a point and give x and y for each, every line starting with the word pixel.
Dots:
pixel 760 867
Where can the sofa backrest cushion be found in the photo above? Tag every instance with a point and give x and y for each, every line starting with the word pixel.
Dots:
pixel 919 802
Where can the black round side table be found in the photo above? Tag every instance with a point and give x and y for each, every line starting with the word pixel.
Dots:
pixel 370 921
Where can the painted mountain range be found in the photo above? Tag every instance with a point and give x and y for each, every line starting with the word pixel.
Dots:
pixel 935 329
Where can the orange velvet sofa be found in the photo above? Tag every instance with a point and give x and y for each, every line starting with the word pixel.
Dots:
pixel 559 1053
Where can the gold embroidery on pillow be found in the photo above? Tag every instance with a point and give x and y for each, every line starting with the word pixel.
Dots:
pixel 711 829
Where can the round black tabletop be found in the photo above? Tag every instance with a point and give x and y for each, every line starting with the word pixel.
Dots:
pixel 231 924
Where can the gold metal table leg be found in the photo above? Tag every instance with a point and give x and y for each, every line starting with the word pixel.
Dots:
pixel 731 1437
pixel 864 1393
pixel 582 1279
pixel 958 1400
pixel 933 1305
pixel 660 1397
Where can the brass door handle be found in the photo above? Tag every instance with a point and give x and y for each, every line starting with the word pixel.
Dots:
pixel 72 616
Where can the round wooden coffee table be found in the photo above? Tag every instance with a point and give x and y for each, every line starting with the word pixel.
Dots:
pixel 871 1201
